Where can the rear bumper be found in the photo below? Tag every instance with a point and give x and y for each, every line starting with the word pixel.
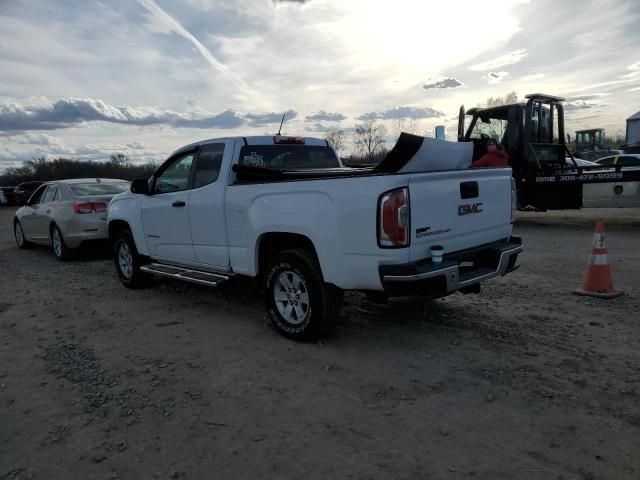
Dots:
pixel 75 233
pixel 458 271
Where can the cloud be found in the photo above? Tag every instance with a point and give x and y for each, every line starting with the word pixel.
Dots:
pixel 19 147
pixel 580 105
pixel 325 116
pixel 171 25
pixel 318 127
pixel 587 96
pixel 35 139
pixel 501 61
pixel 43 114
pixel 261 119
pixel 533 76
pixel 402 112
pixel 442 82
pixel 634 66
pixel 300 2
pixel 496 77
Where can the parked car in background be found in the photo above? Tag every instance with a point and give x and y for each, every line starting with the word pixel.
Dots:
pixel 625 160
pixel 580 163
pixel 9 195
pixel 66 213
pixel 24 190
pixel 609 194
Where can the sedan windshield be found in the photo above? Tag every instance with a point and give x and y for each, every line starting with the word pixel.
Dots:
pixel 83 189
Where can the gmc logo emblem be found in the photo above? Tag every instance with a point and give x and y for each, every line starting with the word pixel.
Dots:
pixel 469 208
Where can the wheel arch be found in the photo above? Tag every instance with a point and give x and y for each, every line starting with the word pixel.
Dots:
pixel 271 243
pixel 116 227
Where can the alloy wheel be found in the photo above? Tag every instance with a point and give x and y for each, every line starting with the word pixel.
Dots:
pixel 19 234
pixel 125 260
pixel 291 297
pixel 56 240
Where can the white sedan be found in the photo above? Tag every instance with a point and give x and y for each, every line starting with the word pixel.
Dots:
pixel 65 213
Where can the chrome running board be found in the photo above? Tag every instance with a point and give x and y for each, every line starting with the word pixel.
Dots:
pixel 185 274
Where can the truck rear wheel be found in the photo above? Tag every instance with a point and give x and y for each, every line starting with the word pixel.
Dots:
pixel 300 304
pixel 128 261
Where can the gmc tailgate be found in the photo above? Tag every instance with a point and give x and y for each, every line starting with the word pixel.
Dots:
pixel 459 209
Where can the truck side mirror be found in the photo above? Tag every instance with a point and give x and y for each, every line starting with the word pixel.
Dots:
pixel 140 186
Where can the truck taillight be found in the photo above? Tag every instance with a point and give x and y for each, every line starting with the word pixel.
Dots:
pixel 89 207
pixel 278 139
pixel 393 218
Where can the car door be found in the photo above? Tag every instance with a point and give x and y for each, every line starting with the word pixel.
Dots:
pixel 42 219
pixel 37 223
pixel 165 215
pixel 207 204
pixel 30 219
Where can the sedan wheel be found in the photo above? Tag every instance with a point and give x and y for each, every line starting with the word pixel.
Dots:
pixel 60 249
pixel 21 241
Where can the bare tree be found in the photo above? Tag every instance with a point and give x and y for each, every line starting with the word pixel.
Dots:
pixel 404 125
pixel 368 139
pixel 336 137
pixel 119 159
pixel 511 97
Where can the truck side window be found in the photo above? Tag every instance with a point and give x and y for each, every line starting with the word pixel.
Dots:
pixel 208 164
pixel 176 176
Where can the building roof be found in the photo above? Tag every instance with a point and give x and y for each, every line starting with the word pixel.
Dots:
pixel 635 116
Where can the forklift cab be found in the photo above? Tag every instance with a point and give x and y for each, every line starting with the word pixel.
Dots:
pixel 591 139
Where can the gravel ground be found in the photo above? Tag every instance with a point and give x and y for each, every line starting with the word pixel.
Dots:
pixel 524 381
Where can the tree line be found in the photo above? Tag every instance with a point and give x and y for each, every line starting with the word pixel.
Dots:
pixel 118 166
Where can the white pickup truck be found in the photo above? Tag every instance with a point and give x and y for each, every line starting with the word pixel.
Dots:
pixel 285 210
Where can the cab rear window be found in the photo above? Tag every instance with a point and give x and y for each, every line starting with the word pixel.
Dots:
pixel 288 157
pixel 82 189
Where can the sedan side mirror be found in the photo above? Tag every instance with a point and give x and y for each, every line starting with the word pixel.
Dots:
pixel 140 185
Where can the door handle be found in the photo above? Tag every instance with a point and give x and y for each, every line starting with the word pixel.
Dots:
pixel 49 211
pixel 178 203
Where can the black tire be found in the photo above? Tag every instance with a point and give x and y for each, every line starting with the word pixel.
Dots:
pixel 58 247
pixel 323 301
pixel 21 241
pixel 133 278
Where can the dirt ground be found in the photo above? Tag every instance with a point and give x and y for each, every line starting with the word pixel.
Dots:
pixel 524 381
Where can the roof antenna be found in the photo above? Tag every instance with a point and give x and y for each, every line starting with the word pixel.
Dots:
pixel 280 129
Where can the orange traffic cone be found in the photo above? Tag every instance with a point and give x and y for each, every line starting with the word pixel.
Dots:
pixel 598 281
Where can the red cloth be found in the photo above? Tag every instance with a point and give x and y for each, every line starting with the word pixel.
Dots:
pixel 496 158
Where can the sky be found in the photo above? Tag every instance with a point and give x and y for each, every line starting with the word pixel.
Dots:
pixel 87 78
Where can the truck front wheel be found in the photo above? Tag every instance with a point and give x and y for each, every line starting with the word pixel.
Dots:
pixel 128 262
pixel 301 306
